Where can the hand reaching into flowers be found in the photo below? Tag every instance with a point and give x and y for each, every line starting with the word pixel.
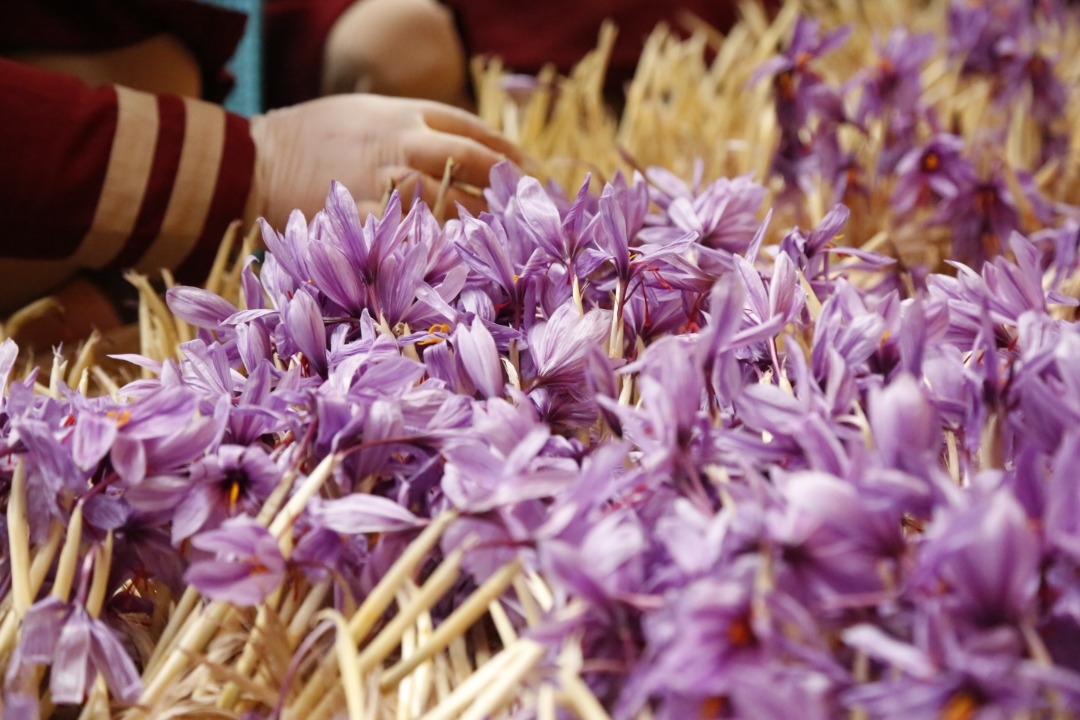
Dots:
pixel 183 169
pixel 368 143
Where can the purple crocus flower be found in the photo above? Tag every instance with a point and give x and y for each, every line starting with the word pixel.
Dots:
pixel 303 325
pixel 233 480
pixel 53 479
pixel 797 86
pixel 161 432
pixel 986 559
pixel 727 635
pixel 906 428
pixel 77 647
pixel 811 251
pixel 199 307
pixel 723 214
pixel 561 238
pixel 506 464
pixel 979 32
pixel 1033 74
pixel 485 248
pixel 622 214
pixel 935 171
pixel 336 277
pixel 247 567
pixel 893 84
pixel 799 93
pixel 477 353
pixel 365 245
pixel 980 676
pixel 362 513
pixel 982 216
pixel 557 346
pixel 1062 520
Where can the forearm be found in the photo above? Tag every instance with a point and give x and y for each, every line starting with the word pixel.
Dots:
pixel 100 178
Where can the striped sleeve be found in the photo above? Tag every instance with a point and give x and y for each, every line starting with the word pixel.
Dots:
pixel 106 178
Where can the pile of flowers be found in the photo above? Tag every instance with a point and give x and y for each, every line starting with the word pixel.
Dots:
pixel 674 460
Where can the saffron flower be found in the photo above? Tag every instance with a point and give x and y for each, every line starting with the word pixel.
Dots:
pixel 247 566
pixel 77 647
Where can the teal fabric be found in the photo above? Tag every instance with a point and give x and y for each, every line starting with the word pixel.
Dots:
pixel 246 97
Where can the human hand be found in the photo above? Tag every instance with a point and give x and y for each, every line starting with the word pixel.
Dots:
pixel 369 143
pixel 364 51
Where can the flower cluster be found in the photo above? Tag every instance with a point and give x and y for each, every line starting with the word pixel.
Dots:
pixel 880 143
pixel 747 478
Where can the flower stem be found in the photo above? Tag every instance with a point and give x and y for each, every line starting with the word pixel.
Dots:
pixel 347 661
pixel 505 685
pixel 372 609
pixel 195 637
pixel 389 639
pixel 177 622
pixel 580 698
pixel 304 493
pixel 69 556
pixel 306 612
pixel 459 621
pixel 99 585
pixel 615 337
pixel 19 542
pixel 496 669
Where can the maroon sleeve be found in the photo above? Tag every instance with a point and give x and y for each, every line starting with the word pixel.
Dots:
pixel 112 178
pixel 210 33
pixel 295 34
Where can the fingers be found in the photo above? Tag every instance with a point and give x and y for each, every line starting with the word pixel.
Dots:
pixel 407 181
pixel 427 151
pixel 455 121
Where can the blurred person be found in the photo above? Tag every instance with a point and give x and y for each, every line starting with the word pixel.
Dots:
pixel 420 48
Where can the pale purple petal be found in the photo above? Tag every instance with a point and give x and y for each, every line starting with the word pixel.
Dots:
pixel 872 641
pixel 541 217
pixel 248 567
pixel 93 438
pixel 362 513
pixel 199 307
pixel 480 358
pixel 114 664
pixel 70 671
pixel 305 325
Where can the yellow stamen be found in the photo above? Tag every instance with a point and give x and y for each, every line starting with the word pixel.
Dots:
pixel 436 328
pixel 961 706
pixel 234 495
pixel 120 416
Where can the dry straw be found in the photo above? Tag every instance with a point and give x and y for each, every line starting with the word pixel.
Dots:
pixel 690 101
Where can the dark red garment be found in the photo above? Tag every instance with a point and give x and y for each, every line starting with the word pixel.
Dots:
pixel 526 36
pixel 79 26
pixel 54 151
pixel 56 148
pixel 529 35
pixel 294 34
